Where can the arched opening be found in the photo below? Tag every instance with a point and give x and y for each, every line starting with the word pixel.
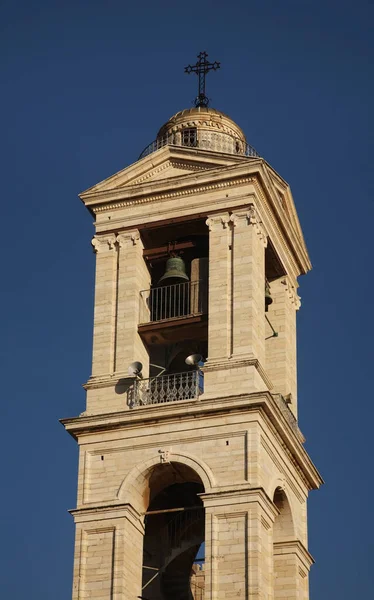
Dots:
pixel 174 533
pixel 283 531
pixel 283 524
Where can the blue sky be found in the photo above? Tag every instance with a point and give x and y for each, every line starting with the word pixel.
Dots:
pixel 85 85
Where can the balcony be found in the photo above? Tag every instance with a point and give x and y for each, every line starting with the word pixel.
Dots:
pixel 170 313
pixel 167 388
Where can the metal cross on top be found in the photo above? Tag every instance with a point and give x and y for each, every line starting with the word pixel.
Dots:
pixel 201 69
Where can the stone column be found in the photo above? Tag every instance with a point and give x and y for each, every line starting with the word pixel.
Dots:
pixel 108 554
pixel 105 304
pixel 281 363
pixel 238 545
pixel 292 563
pixel 133 277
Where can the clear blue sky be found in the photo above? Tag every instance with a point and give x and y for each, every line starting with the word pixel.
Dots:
pixel 84 87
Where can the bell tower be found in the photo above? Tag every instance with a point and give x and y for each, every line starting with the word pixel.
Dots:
pixel 193 478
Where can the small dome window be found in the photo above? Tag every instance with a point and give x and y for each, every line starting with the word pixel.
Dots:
pixel 189 137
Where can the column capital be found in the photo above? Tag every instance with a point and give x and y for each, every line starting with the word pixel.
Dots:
pixel 218 222
pixel 250 216
pixel 128 238
pixel 291 293
pixel 103 243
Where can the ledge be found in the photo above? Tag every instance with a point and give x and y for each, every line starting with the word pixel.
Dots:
pixel 261 402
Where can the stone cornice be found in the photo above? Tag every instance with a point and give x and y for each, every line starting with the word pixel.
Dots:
pixel 236 363
pixel 217 499
pixel 261 402
pixel 294 547
pixel 97 513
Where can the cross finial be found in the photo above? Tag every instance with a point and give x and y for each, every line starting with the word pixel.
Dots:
pixel 201 69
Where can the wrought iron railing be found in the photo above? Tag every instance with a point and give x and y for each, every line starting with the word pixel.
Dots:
pixel 173 301
pixel 206 140
pixel 167 388
pixel 288 415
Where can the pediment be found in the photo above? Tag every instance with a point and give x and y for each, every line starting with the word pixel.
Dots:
pixel 167 163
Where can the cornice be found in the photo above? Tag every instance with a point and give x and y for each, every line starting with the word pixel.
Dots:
pixel 294 547
pixel 169 413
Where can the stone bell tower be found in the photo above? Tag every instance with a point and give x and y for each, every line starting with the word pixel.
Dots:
pixel 190 442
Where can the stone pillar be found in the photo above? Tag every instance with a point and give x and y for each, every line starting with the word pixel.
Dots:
pixel 133 277
pixel 281 363
pixel 292 563
pixel 105 304
pixel 219 286
pixel 238 545
pixel 108 554
pixel 236 329
pixel 248 314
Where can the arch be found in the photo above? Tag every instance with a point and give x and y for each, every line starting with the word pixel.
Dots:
pixel 134 489
pixel 284 528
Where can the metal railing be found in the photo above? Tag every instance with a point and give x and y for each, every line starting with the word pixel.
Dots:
pixel 206 140
pixel 173 301
pixel 167 388
pixel 288 415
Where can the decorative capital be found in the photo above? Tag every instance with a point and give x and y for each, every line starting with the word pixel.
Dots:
pixel 103 243
pixel 128 238
pixel 291 293
pixel 217 222
pixel 250 216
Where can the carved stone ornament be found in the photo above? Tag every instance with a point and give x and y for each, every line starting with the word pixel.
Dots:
pixel 250 216
pixel 103 243
pixel 164 456
pixel 217 222
pixel 128 238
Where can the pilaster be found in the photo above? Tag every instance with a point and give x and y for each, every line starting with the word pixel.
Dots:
pixel 292 563
pixel 105 304
pixel 281 363
pixel 133 276
pixel 238 547
pixel 236 304
pixel 108 554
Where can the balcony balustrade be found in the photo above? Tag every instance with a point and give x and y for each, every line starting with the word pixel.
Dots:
pixel 175 301
pixel 217 142
pixel 166 388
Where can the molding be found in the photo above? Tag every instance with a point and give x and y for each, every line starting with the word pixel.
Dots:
pixel 291 293
pixel 176 194
pixel 237 363
pixel 261 403
pixel 93 514
pixel 222 499
pixel 294 547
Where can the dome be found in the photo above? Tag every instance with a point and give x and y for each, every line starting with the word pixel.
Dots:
pixel 204 128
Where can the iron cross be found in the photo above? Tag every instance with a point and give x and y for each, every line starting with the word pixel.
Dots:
pixel 201 69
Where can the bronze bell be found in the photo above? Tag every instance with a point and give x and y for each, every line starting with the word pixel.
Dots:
pixel 175 269
pixel 268 298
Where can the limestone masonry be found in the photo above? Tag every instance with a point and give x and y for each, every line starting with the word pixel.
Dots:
pixel 193 478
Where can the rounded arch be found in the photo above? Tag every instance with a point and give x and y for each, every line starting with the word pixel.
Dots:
pixel 134 489
pixel 284 528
